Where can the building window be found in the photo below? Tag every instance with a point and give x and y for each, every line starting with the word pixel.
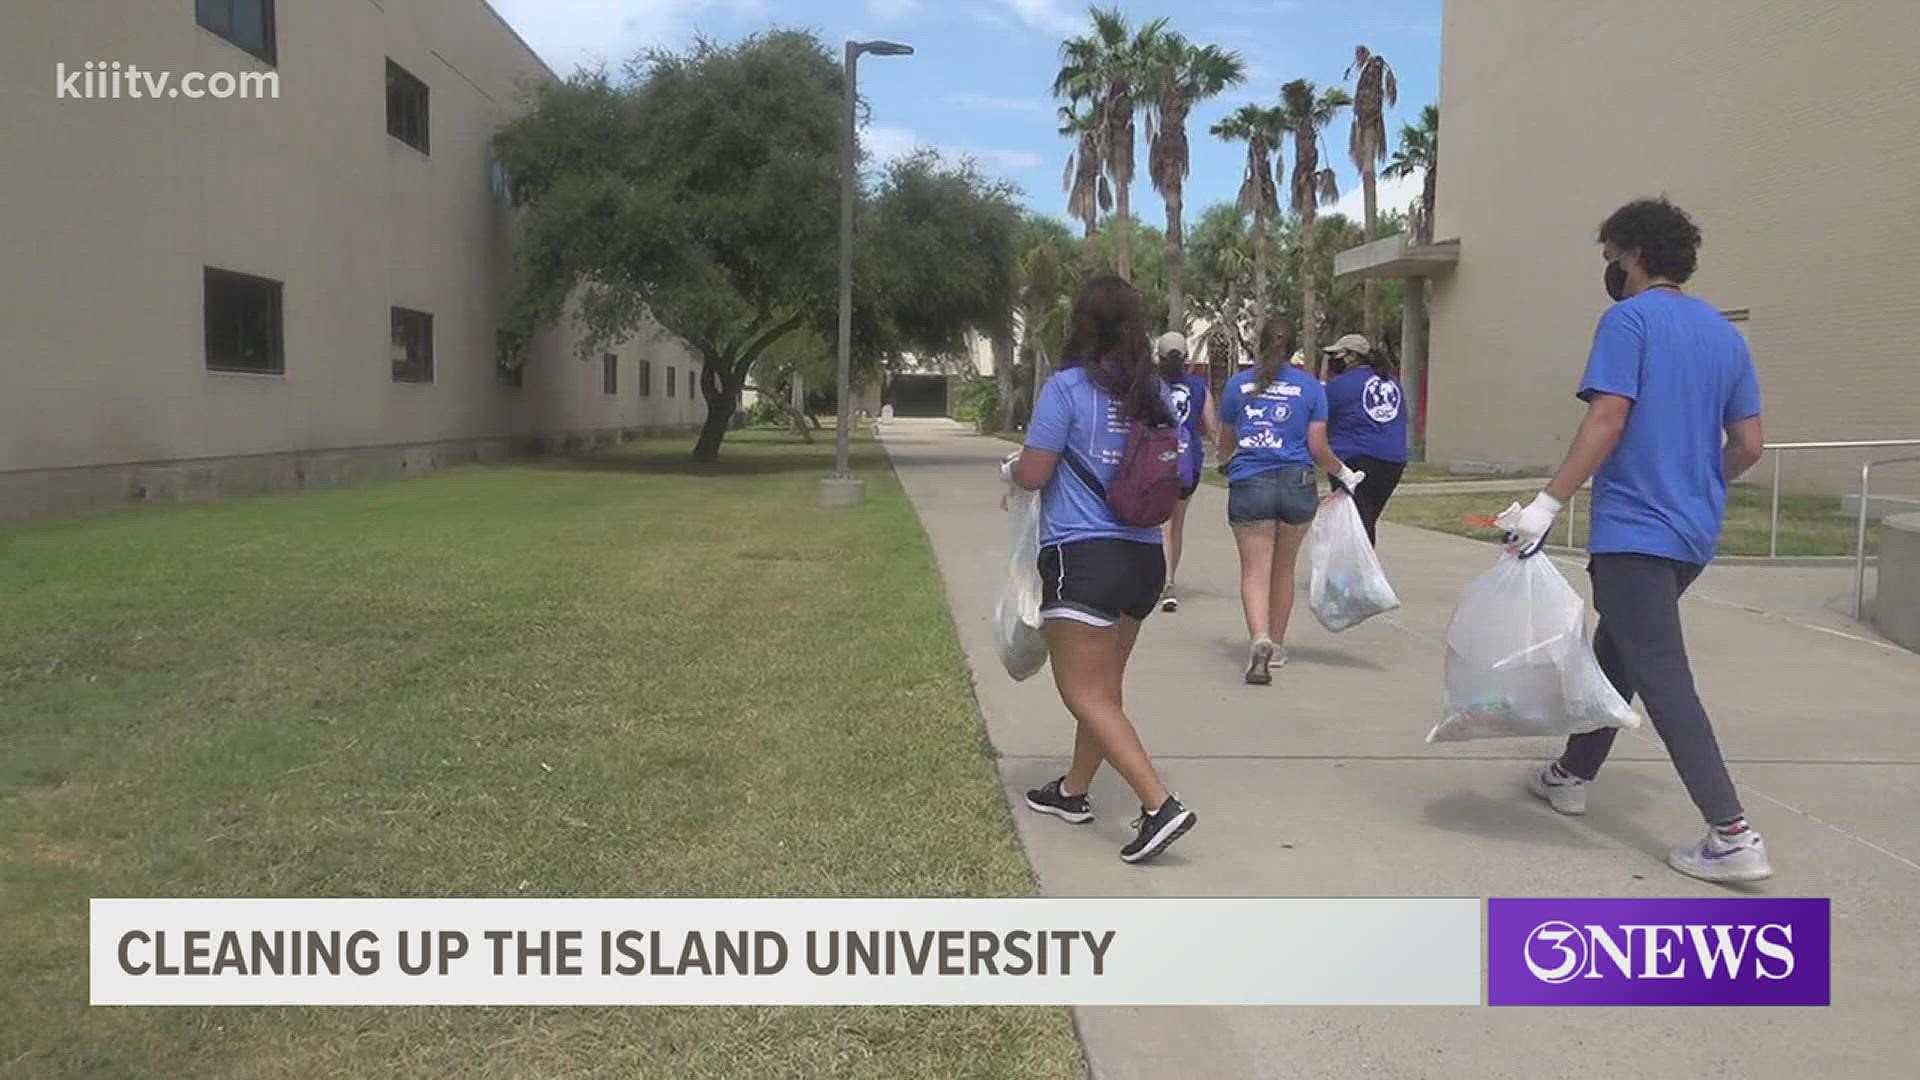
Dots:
pixel 646 378
pixel 412 346
pixel 501 181
pixel 406 107
pixel 672 389
pixel 248 24
pixel 693 385
pixel 243 323
pixel 609 374
pixel 509 363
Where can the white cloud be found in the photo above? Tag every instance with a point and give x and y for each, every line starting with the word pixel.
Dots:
pixel 1392 194
pixel 975 100
pixel 1050 16
pixel 570 34
pixel 892 10
pixel 1012 160
pixel 889 144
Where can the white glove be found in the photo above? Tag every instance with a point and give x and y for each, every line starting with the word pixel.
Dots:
pixel 1349 477
pixel 1527 527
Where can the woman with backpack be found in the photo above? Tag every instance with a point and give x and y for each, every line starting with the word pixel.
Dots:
pixel 1098 447
pixel 1367 421
pixel 1273 429
pixel 1193 411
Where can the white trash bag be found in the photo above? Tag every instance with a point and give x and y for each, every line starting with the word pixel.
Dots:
pixel 1016 613
pixel 1519 662
pixel 1349 587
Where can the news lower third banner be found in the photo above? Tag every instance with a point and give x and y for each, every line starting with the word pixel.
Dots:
pixel 1024 951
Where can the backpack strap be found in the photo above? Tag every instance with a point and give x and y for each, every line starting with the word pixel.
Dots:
pixel 1084 472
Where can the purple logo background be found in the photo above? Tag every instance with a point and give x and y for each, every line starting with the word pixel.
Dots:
pixel 1569 952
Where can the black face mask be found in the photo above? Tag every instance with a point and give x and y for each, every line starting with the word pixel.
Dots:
pixel 1616 281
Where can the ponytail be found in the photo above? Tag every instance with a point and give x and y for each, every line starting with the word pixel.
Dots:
pixel 1278 339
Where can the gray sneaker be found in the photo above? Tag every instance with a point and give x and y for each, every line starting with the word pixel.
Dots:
pixel 1724 859
pixel 1260 663
pixel 1566 794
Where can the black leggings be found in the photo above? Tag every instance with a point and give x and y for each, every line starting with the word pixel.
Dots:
pixel 1371 499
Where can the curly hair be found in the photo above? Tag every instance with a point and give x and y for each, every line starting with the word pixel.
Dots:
pixel 1666 238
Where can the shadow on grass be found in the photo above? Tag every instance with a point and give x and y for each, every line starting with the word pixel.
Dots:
pixel 744 453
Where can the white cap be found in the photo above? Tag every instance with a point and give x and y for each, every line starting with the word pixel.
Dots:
pixel 1351 343
pixel 1170 342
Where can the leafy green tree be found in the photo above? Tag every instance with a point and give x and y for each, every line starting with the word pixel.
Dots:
pixel 1107 70
pixel 1260 128
pixel 1376 91
pixel 1178 76
pixel 1307 115
pixel 1419 151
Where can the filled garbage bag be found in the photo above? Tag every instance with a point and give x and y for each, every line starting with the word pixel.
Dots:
pixel 1519 662
pixel 1348 587
pixel 1016 612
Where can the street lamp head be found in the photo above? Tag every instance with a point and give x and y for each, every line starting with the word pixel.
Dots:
pixel 883 48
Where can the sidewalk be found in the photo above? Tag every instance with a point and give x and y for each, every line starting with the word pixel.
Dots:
pixel 1322 785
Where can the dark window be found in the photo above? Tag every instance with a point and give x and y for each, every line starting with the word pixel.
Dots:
pixel 646 378
pixel 693 385
pixel 609 374
pixel 672 389
pixel 508 363
pixel 246 23
pixel 243 323
pixel 406 107
pixel 412 346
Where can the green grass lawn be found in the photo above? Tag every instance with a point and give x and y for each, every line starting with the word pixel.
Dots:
pixel 1809 524
pixel 609 676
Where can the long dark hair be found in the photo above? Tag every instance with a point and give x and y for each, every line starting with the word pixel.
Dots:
pixel 1109 339
pixel 1278 340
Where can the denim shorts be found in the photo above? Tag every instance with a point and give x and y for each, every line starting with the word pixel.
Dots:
pixel 1288 495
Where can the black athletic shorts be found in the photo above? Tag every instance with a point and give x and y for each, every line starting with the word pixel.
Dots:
pixel 1098 581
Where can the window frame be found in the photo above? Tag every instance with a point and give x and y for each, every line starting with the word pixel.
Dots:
pixel 425 363
pixel 276 309
pixel 269 52
pixel 673 387
pixel 411 82
pixel 610 374
pixel 646 378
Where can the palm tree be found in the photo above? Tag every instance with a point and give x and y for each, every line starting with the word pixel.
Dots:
pixel 1419 152
pixel 1374 93
pixel 1104 69
pixel 1260 128
pixel 1179 75
pixel 1082 180
pixel 1306 115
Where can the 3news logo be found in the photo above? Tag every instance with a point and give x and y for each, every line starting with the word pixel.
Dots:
pixel 1733 951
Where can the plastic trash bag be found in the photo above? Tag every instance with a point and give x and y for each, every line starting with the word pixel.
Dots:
pixel 1519 662
pixel 1349 587
pixel 1016 612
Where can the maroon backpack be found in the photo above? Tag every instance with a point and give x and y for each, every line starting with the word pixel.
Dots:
pixel 1147 484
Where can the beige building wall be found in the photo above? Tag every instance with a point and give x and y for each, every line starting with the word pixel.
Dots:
pixel 114 207
pixel 1790 131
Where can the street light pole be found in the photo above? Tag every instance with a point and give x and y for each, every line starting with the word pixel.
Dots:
pixel 843 488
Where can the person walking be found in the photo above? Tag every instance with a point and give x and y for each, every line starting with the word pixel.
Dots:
pixel 1099 578
pixel 1273 430
pixel 1366 422
pixel 1673 416
pixel 1193 410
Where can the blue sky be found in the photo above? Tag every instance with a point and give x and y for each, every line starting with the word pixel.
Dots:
pixel 978 84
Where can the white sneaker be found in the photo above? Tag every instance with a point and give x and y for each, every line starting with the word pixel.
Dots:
pixel 1722 858
pixel 1567 795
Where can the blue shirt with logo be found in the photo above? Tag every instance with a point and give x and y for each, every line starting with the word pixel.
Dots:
pixel 1189 398
pixel 1075 417
pixel 1687 371
pixel 1269 425
pixel 1366 416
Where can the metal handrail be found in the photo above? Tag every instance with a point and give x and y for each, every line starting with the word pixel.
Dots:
pixel 1773 529
pixel 1860 542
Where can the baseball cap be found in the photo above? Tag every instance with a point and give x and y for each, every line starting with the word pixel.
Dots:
pixel 1170 342
pixel 1353 343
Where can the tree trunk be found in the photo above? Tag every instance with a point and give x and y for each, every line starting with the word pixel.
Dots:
pixel 1259 268
pixel 713 430
pixel 1309 303
pixel 1176 265
pixel 1003 375
pixel 1370 289
pixel 1123 209
pixel 1413 361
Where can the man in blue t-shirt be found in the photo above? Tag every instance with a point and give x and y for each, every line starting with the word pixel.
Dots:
pixel 1673 415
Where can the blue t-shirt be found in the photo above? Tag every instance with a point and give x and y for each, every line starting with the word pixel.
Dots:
pixel 1366 416
pixel 1689 375
pixel 1270 425
pixel 1189 397
pixel 1076 417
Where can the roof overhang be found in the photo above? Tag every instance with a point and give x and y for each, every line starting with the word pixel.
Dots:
pixel 1397 257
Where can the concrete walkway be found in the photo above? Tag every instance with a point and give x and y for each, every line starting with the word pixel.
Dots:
pixel 1321 785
